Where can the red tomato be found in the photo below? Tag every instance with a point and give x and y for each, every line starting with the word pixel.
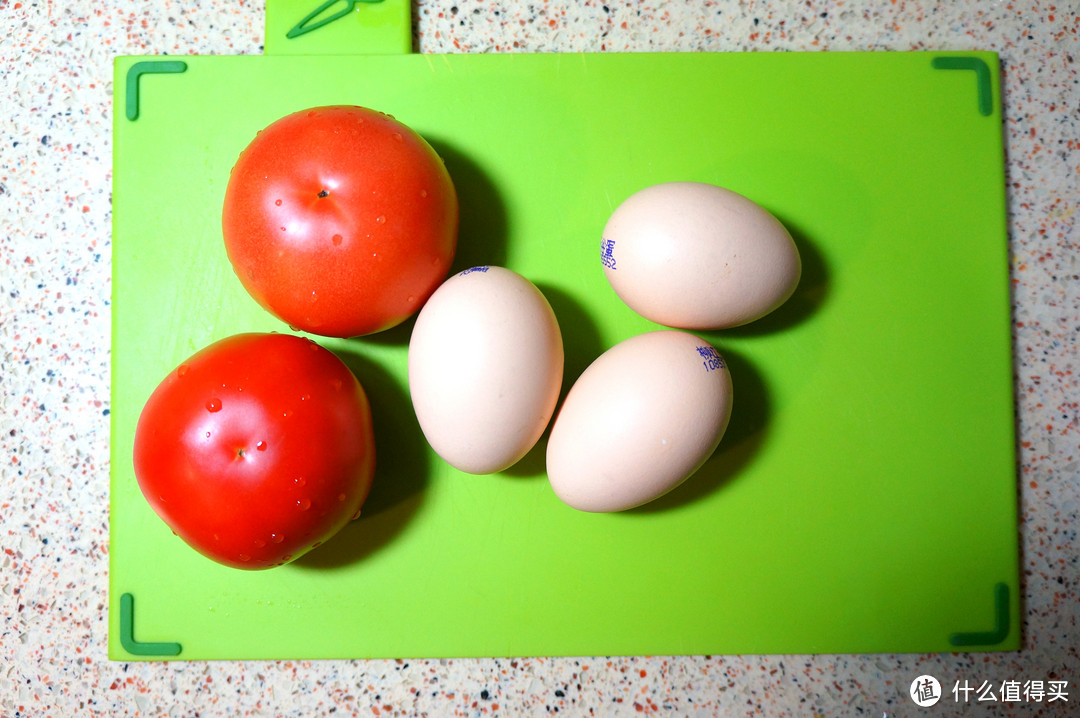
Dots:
pixel 256 449
pixel 340 221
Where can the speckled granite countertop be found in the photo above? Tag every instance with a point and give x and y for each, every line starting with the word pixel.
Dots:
pixel 55 213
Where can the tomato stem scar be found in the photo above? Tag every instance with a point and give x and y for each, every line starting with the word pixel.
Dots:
pixel 323 193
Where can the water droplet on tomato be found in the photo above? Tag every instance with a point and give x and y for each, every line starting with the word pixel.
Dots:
pixel 182 370
pixel 282 229
pixel 411 299
pixel 336 383
pixel 277 202
pixel 397 136
pixel 423 193
pixel 300 481
pixel 286 414
pixel 303 504
pixel 356 515
pixel 380 219
pixel 341 497
pixel 213 405
pixel 261 446
pixel 245 557
pixel 336 239
pixel 277 538
pixel 314 297
pixel 259 543
pixel 305 397
pixel 285 559
pixel 208 435
pixel 317 544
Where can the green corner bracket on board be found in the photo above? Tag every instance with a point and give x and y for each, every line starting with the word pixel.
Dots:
pixel 982 77
pixel 127 633
pixel 147 67
pixel 303 27
pixel 1001 623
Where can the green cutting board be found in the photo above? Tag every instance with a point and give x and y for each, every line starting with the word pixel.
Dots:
pixel 864 497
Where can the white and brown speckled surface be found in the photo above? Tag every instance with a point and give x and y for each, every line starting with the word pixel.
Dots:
pixel 55 179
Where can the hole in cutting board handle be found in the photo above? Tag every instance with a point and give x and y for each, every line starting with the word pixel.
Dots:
pixel 346 27
pixel 303 27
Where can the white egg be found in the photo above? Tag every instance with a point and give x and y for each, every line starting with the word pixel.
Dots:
pixel 696 256
pixel 639 421
pixel 485 368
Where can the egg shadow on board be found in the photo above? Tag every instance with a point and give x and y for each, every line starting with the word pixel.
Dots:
pixel 582 344
pixel 482 228
pixel 402 463
pixel 807 298
pixel 743 438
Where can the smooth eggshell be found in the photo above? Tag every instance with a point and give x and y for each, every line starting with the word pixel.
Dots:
pixel 696 256
pixel 485 368
pixel 639 421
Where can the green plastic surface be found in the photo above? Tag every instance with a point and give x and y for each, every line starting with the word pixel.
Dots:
pixel 864 498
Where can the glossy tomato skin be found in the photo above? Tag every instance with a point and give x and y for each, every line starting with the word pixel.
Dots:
pixel 256 449
pixel 340 220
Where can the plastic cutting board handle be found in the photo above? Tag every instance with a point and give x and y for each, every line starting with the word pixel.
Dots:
pixel 338 27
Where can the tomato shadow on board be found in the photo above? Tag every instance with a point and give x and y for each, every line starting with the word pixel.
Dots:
pixel 482 225
pixel 807 298
pixel 745 434
pixel 582 344
pixel 402 463
pixel 482 228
